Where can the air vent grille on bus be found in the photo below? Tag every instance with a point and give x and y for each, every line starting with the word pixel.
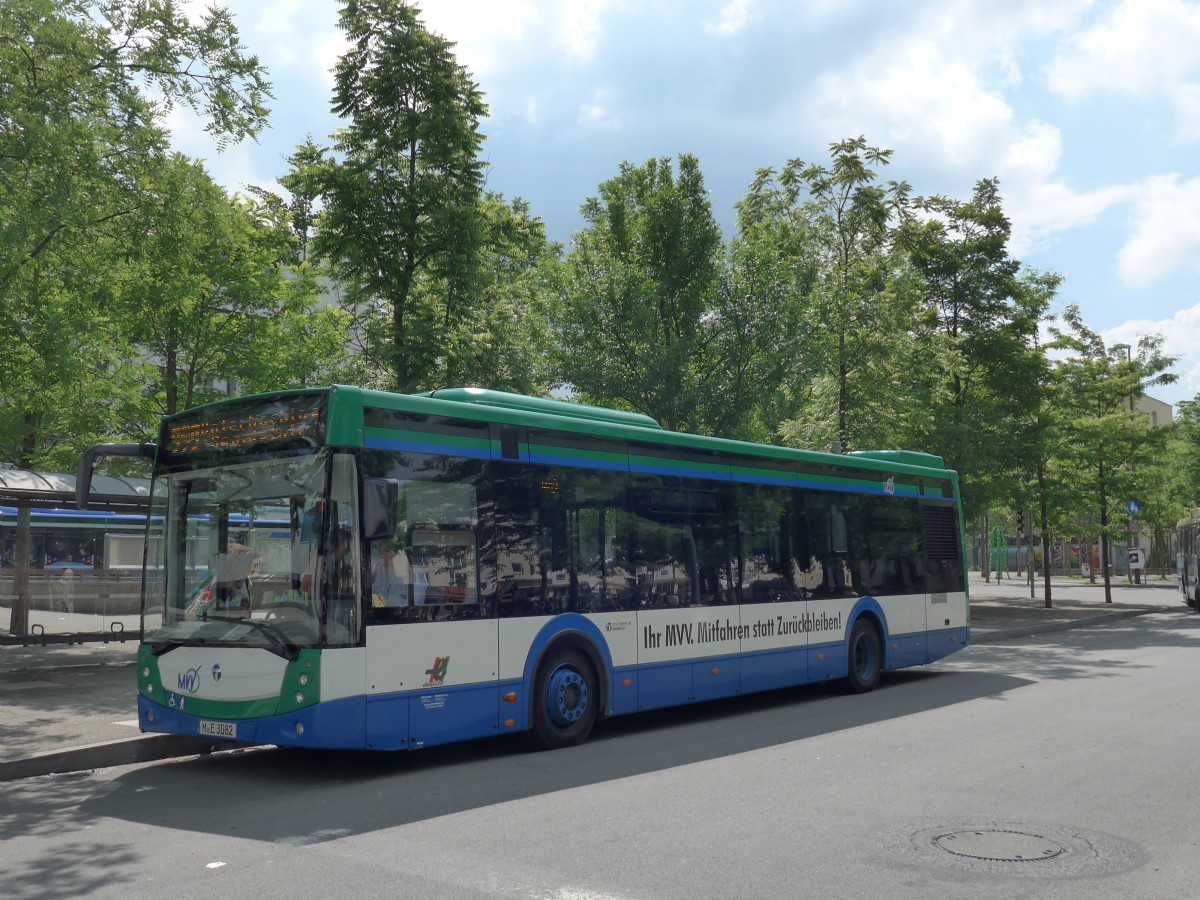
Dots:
pixel 940 525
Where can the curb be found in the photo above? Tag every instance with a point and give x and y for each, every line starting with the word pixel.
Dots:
pixel 1030 630
pixel 40 668
pixel 144 748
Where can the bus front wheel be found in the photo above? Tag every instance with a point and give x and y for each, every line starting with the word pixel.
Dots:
pixel 564 708
pixel 866 657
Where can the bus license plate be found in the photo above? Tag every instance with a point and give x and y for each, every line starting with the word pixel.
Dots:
pixel 219 729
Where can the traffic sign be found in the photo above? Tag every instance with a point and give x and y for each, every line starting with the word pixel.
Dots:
pixel 1133 507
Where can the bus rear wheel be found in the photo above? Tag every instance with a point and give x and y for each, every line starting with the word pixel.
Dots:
pixel 865 661
pixel 564 708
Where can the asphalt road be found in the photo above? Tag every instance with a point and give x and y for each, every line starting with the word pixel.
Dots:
pixel 1054 766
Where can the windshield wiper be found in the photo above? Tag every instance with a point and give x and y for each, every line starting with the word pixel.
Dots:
pixel 283 647
pixel 167 646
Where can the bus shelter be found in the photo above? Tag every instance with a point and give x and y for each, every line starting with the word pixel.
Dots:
pixel 69 575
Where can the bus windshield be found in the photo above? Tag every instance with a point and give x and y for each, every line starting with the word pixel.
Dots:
pixel 232 557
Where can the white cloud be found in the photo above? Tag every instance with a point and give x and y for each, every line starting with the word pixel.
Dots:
pixel 1143 49
pixel 484 31
pixel 1186 98
pixel 934 81
pixel 1039 206
pixel 1041 210
pixel 734 17
pixel 579 30
pixel 1181 338
pixel 597 115
pixel 327 52
pixel 1035 154
pixel 1166 232
pixel 927 101
pixel 1140 47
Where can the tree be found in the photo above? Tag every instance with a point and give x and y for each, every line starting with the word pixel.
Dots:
pixel 77 136
pixel 302 182
pixel 767 350
pixel 850 218
pixel 78 127
pixel 502 338
pixel 1105 434
pixel 400 227
pixel 1186 440
pixel 975 365
pixel 210 286
pixel 641 278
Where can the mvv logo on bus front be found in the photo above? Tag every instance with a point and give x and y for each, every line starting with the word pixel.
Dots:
pixel 189 681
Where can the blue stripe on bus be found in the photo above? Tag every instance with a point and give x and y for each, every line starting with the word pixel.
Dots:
pixel 944 641
pixel 332 724
pixel 579 462
pixel 438 715
pixel 376 443
pixel 776 480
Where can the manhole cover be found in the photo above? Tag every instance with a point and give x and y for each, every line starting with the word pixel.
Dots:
pixel 999 846
pixel 1014 849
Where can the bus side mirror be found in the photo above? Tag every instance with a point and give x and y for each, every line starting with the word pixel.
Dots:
pixel 380 498
pixel 83 475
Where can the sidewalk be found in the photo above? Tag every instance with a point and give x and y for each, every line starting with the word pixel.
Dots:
pixel 67 708
pixel 1003 609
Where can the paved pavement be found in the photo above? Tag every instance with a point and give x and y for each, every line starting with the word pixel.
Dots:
pixel 67 708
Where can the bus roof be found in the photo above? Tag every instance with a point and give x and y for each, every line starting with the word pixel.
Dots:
pixel 344 424
pixel 536 412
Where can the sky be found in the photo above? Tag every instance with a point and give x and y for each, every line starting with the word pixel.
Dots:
pixel 1087 111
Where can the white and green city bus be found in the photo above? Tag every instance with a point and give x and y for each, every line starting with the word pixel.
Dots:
pixel 465 563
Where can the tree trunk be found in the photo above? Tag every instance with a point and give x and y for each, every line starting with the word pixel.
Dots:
pixel 843 394
pixel 1104 538
pixel 1044 515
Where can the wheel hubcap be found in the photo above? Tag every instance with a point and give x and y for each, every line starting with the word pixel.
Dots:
pixel 566 697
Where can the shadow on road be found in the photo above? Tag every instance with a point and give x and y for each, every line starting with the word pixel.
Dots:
pixel 300 797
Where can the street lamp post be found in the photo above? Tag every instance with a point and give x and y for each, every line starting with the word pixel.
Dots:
pixel 1135 574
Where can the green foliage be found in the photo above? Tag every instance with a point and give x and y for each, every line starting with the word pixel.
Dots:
pixel 78 140
pixel 1103 437
pixel 501 338
pixel 854 308
pixel 1185 452
pixel 975 364
pixel 640 281
pixel 842 311
pixel 401 226
pixel 208 284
